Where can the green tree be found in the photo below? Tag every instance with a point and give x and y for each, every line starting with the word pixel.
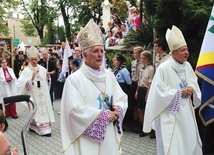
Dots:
pixel 120 7
pixel 51 29
pixel 5 7
pixel 191 16
pixel 50 34
pixel 67 9
pixel 62 34
pixel 96 9
pixel 93 9
pixel 37 12
pixel 85 15
pixel 28 28
pixel 77 13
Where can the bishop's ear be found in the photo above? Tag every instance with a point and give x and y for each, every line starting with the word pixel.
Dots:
pixel 84 54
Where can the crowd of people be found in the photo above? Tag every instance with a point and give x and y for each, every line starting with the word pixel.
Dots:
pixel 117 29
pixel 98 104
pixel 37 72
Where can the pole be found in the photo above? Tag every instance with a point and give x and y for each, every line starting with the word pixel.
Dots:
pixel 154 38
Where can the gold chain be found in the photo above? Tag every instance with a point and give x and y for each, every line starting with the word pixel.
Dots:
pixel 103 94
pixel 183 81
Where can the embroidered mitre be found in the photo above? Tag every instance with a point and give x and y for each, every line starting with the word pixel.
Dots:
pixel 32 52
pixel 175 38
pixel 90 36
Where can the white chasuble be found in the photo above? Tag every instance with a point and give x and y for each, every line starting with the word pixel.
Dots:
pixel 176 133
pixel 38 89
pixel 81 104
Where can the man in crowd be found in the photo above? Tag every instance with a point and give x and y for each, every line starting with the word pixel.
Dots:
pixel 160 50
pixel 19 62
pixel 78 57
pixel 51 68
pixel 124 30
pixel 144 83
pixel 93 104
pixel 136 67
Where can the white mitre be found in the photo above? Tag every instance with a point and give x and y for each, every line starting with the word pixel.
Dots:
pixel 33 52
pixel 21 47
pixel 175 38
pixel 90 36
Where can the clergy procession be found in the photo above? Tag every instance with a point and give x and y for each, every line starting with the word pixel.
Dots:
pixel 87 106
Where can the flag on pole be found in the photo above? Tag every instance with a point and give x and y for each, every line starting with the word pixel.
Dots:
pixel 104 59
pixel 205 70
pixel 66 55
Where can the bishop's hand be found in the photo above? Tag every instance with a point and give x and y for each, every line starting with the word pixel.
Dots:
pixel 190 91
pixel 114 115
pixel 187 92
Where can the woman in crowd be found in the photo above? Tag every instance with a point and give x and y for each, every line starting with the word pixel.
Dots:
pixel 121 72
pixel 132 25
pixel 109 36
pixel 73 65
pixel 123 78
pixel 117 19
pixel 119 37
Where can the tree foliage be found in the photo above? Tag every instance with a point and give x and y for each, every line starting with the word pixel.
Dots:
pixel 37 12
pixel 50 36
pixel 76 13
pixel 5 7
pixel 28 28
pixel 67 8
pixel 120 7
pixel 96 9
pixel 191 16
pixel 85 15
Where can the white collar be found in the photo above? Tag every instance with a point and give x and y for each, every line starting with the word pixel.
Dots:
pixel 96 72
pixel 179 65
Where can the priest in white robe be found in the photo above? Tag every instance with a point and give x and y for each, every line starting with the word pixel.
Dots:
pixel 169 110
pixel 8 88
pixel 34 81
pixel 93 104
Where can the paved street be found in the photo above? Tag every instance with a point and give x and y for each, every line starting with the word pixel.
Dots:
pixel 132 144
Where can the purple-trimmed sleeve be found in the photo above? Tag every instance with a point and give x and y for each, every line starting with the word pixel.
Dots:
pixel 174 106
pixel 97 129
pixel 28 85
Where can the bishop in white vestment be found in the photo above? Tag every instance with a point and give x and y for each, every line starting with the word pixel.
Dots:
pixel 169 109
pixel 34 82
pixel 93 104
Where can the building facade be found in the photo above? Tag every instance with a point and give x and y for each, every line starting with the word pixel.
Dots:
pixel 16 33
